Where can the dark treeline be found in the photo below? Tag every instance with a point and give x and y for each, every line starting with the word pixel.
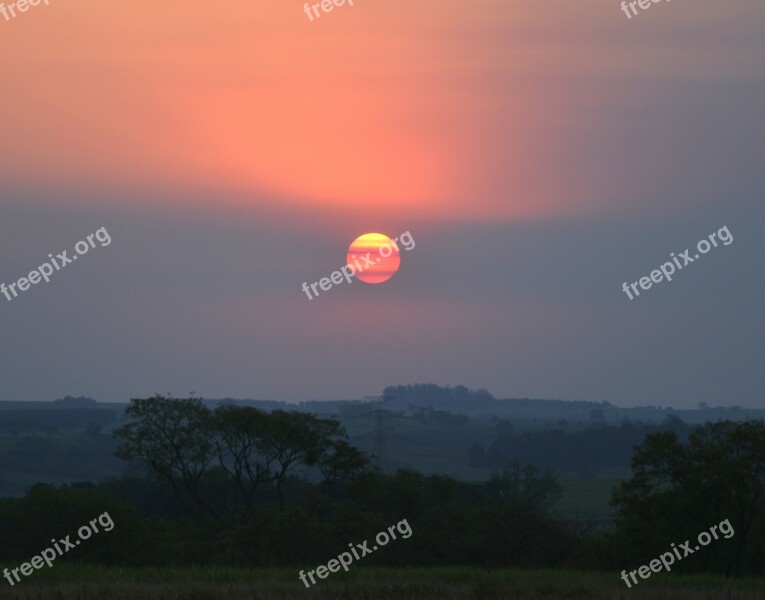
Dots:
pixel 598 447
pixel 51 420
pixel 238 486
pixel 437 396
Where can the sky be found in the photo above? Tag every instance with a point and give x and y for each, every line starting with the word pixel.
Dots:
pixel 540 154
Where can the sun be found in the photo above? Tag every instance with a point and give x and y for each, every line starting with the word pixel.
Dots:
pixel 374 256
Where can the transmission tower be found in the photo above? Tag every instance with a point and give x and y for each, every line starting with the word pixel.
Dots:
pixel 379 421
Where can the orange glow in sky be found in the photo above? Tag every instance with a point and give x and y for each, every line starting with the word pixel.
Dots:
pixel 427 109
pixel 370 110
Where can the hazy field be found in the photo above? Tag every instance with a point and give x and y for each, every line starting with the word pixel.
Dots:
pixel 587 499
pixel 86 583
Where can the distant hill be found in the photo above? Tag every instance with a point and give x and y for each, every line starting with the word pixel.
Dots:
pixel 460 400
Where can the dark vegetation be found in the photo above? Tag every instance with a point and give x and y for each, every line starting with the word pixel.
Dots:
pixel 238 486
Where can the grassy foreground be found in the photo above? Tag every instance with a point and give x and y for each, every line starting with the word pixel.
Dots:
pixel 78 582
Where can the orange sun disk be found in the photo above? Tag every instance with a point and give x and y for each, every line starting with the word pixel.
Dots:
pixel 374 256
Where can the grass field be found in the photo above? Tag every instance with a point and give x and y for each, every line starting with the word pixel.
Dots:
pixel 73 582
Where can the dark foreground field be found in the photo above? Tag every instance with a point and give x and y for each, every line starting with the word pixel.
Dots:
pixel 85 583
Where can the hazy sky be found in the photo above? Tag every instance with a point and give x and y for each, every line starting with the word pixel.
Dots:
pixel 540 154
